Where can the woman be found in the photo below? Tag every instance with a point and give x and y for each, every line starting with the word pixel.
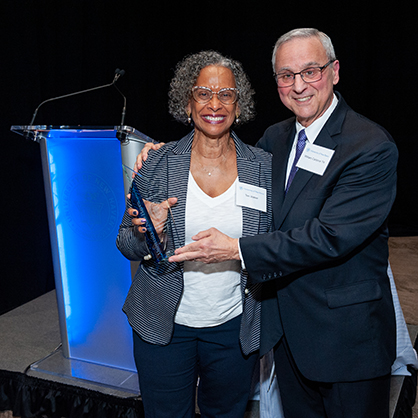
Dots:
pixel 194 320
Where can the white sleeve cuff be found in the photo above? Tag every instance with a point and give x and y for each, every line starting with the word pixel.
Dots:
pixel 240 256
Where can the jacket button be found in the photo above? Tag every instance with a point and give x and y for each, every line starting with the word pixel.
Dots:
pixel 246 291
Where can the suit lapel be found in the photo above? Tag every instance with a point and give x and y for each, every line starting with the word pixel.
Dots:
pixel 178 168
pixel 281 155
pixel 302 177
pixel 248 172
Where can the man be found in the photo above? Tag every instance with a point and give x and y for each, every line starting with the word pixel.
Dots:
pixel 329 314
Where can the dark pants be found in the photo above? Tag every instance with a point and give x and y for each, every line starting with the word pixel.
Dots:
pixel 305 398
pixel 168 374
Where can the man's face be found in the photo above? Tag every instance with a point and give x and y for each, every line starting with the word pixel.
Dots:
pixel 308 101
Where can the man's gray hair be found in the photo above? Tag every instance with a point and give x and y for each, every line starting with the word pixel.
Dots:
pixel 305 33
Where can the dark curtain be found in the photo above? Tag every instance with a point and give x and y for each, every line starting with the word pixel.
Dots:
pixel 50 48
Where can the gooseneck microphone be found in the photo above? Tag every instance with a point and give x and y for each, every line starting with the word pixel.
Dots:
pixel 118 73
pixel 121 73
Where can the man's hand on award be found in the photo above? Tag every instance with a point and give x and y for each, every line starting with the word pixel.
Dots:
pixel 158 213
pixel 144 155
pixel 211 246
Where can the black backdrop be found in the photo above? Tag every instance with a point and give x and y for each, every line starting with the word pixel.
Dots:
pixel 54 47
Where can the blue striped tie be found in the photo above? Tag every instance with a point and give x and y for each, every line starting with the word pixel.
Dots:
pixel 299 148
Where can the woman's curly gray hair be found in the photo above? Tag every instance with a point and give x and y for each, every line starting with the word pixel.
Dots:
pixel 188 70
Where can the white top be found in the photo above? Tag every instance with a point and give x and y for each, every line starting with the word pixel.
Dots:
pixel 212 293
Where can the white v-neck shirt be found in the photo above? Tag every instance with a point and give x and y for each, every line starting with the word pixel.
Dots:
pixel 212 294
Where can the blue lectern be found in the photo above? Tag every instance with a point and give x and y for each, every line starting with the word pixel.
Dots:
pixel 85 195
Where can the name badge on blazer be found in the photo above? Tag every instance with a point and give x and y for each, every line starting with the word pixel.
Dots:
pixel 315 158
pixel 253 197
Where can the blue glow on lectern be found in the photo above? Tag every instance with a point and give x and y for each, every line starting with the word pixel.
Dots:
pixel 88 197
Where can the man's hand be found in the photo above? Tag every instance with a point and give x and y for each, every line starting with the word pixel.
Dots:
pixel 158 213
pixel 144 155
pixel 211 246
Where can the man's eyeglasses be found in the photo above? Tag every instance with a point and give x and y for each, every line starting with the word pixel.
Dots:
pixel 308 75
pixel 227 96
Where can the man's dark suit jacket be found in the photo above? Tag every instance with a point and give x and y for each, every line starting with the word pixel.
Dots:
pixel 327 258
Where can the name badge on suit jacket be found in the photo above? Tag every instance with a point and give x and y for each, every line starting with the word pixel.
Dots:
pixel 253 197
pixel 315 158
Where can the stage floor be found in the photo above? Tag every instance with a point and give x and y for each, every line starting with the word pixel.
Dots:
pixel 30 343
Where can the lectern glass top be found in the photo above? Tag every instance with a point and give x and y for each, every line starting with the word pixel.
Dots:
pixel 124 133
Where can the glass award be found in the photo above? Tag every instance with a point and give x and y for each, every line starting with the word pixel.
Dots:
pixel 158 245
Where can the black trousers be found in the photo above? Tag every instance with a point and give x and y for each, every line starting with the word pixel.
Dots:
pixel 168 374
pixel 303 398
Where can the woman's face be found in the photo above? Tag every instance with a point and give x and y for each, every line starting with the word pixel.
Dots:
pixel 213 119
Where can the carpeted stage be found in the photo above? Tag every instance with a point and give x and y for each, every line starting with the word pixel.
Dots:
pixel 31 333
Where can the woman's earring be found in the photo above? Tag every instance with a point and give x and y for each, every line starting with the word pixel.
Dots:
pixel 189 119
pixel 237 121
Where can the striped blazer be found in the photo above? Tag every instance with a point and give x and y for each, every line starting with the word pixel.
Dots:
pixel 157 288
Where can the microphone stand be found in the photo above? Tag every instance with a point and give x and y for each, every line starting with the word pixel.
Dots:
pixel 118 73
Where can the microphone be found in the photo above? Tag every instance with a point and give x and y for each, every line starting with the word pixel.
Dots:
pixel 120 133
pixel 118 73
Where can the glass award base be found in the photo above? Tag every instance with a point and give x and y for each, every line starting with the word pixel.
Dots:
pixel 57 365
